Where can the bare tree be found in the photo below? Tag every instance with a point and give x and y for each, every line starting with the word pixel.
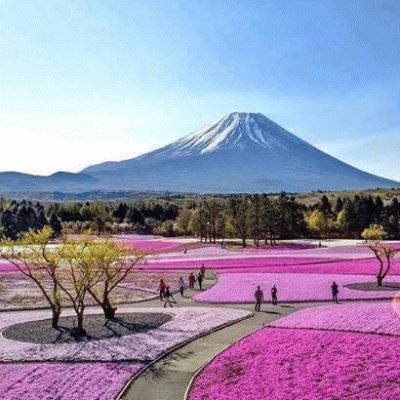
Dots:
pixel 33 257
pixel 115 262
pixel 78 276
pixel 385 256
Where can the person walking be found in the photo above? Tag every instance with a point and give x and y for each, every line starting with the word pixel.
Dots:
pixel 161 289
pixel 181 286
pixel 192 280
pixel 335 292
pixel 168 297
pixel 203 270
pixel 274 295
pixel 259 296
pixel 200 280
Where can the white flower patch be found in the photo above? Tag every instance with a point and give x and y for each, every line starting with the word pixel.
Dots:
pixel 187 323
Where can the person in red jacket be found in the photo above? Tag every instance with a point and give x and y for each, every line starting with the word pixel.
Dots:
pixel 192 280
pixel 161 289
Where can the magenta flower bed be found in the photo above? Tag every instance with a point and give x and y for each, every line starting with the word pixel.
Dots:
pixel 283 364
pixel 277 265
pixel 368 318
pixel 8 267
pixel 232 264
pixel 64 381
pixel 239 288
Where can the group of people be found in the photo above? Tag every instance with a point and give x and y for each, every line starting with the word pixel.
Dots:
pixel 165 291
pixel 199 279
pixel 259 295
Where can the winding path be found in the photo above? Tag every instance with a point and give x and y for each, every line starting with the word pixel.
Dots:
pixel 170 377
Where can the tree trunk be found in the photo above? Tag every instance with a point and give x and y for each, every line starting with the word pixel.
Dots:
pixel 108 309
pixel 55 317
pixel 379 280
pixel 244 242
pixel 79 329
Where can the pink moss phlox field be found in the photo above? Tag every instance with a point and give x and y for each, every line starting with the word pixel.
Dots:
pixel 64 381
pixel 278 265
pixel 228 264
pixel 366 317
pixel 286 364
pixel 239 288
pixel 8 267
pixel 209 252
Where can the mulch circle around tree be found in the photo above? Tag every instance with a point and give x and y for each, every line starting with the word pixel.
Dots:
pixel 373 286
pixel 41 332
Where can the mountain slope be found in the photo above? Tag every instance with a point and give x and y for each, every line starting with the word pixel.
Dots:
pixel 242 152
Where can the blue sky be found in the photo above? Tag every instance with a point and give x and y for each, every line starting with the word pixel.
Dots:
pixel 87 81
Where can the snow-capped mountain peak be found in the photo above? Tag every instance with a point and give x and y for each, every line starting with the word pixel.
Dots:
pixel 242 152
pixel 238 131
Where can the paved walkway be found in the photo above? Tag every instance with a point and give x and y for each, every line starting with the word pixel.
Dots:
pixel 169 378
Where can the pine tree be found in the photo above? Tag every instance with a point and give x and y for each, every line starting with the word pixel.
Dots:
pixel 55 224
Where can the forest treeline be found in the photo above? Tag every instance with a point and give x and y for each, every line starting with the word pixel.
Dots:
pixel 257 217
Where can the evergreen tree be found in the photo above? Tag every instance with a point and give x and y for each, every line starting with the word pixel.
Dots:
pixel 120 212
pixel 378 210
pixel 55 224
pixel 134 216
pixel 338 205
pixel 325 206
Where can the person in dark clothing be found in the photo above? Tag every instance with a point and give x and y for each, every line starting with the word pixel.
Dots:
pixel 200 280
pixel 168 296
pixel 259 296
pixel 203 270
pixel 161 289
pixel 192 280
pixel 274 295
pixel 335 292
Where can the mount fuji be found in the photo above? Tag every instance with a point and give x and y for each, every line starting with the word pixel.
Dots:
pixel 242 152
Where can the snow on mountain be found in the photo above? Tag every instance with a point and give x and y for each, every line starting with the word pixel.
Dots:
pixel 239 131
pixel 242 152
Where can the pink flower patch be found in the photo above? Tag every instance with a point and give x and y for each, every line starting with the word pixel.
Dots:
pixel 240 287
pixel 8 267
pixel 64 381
pixel 283 364
pixel 366 317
